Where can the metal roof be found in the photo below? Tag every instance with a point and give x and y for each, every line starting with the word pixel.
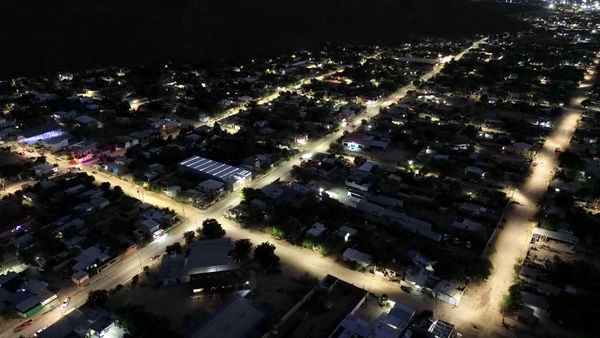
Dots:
pixel 213 168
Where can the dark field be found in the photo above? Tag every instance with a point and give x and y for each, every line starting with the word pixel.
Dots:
pixel 41 36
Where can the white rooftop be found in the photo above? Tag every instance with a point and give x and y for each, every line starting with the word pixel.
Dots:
pixel 214 169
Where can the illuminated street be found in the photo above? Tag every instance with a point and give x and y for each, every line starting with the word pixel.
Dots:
pixel 482 303
pixel 211 169
pixel 311 262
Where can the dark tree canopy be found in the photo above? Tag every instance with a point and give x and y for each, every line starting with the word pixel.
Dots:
pixel 97 297
pixel 242 249
pixel 266 257
pixel 211 228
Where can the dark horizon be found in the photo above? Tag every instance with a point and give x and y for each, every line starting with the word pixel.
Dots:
pixel 44 37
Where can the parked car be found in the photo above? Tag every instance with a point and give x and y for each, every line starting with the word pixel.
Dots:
pixel 23 325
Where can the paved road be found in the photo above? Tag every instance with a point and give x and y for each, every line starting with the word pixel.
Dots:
pixel 11 187
pixel 482 304
pixel 294 259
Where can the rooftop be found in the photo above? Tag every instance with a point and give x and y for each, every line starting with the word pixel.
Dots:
pixel 210 255
pixel 237 318
pixel 215 169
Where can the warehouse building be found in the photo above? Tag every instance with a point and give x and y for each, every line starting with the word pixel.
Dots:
pixel 233 177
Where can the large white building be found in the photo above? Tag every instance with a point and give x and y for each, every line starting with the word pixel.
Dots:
pixel 233 177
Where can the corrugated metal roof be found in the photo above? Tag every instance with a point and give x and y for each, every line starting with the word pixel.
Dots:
pixel 213 168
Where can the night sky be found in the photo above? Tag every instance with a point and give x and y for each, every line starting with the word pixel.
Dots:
pixel 43 36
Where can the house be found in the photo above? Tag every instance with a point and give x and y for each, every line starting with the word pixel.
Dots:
pixel 209 257
pixel 166 125
pixel 441 329
pixel 86 121
pixel 212 187
pixel 367 167
pixel 316 230
pixel 346 232
pixel 90 258
pixel 172 191
pixel 387 325
pixel 81 278
pixel 473 209
pixel 359 180
pixel 419 260
pixel 91 322
pixel 55 144
pixel 44 169
pixel 236 318
pixel 419 279
pixel 357 141
pixel 27 295
pixel 40 133
pixel 171 269
pixel 385 201
pixel 149 226
pixel 449 291
pixel 467 225
pixel 362 259
pixel 548 236
pixel 592 166
pixel 539 304
pixel 526 315
pixel 417 226
pixel 126 142
pixel 474 172
pixel 273 192
pixel 380 143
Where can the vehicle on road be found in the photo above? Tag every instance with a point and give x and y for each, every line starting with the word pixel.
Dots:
pixel 23 325
pixel 158 233
pixel 39 331
pixel 65 302
pixel 406 289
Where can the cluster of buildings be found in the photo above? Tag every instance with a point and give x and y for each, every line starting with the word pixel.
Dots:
pixel 25 295
pixel 207 265
pixel 334 309
pixel 88 228
pixel 87 321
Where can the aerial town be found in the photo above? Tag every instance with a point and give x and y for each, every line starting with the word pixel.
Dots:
pixel 435 188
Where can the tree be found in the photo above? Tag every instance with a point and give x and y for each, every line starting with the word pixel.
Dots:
pixel 118 192
pixel 265 256
pixel 242 249
pixel 105 186
pixel 564 200
pixel 40 160
pixel 189 237
pixel 569 159
pixel 249 194
pixel 145 324
pixel 175 248
pixel 97 297
pixel 511 302
pixel 211 228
